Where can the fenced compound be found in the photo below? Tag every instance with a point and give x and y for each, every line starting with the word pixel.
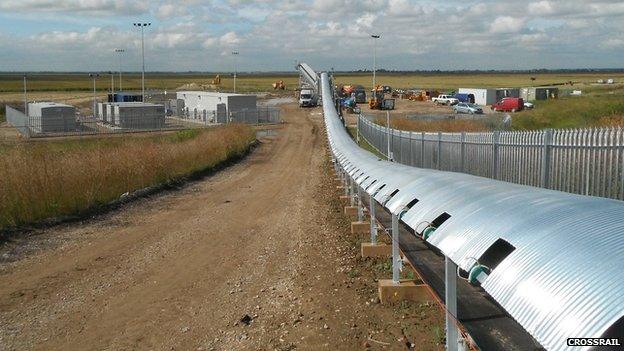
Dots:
pixel 581 161
pixel 30 127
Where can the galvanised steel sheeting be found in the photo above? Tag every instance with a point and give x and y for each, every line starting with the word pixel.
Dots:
pixel 566 275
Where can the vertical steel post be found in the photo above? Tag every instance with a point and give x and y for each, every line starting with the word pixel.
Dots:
pixel 143 63
pixel 439 160
pixel 396 256
pixel 360 209
pixel 358 129
pixel 422 149
pixel 373 223
pixel 495 145
pixel 546 150
pixel 388 135
pixel 450 298
pixel 25 98
pixel 351 192
pixel 463 151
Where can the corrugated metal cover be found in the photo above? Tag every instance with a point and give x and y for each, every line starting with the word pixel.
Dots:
pixel 565 277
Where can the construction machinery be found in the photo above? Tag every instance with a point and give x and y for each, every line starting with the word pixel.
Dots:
pixel 279 85
pixel 378 100
pixel 216 80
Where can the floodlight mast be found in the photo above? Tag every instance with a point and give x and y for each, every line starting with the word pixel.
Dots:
pixel 119 53
pixel 142 25
pixel 234 54
pixel 375 37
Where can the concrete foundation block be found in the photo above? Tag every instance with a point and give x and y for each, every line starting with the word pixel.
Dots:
pixel 376 250
pixel 360 227
pixel 405 290
pixel 351 211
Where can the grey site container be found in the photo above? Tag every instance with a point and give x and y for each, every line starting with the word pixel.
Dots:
pixel 138 115
pixel 51 117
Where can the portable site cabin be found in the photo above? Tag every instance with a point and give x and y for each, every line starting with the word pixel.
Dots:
pixel 51 117
pixel 138 115
pixel 203 104
pixel 539 93
pixel 124 96
pixel 487 96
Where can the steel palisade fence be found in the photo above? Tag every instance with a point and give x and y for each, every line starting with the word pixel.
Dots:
pixel 580 161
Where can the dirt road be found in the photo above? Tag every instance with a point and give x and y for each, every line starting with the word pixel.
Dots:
pixel 254 257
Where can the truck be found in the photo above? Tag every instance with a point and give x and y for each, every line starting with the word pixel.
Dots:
pixel 307 98
pixel 509 104
pixel 445 100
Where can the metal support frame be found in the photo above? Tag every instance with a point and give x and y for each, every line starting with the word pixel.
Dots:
pixel 360 209
pixel 396 255
pixel 373 223
pixel 453 338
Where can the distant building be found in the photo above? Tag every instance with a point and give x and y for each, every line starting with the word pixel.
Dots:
pixel 214 107
pixel 51 117
pixel 539 93
pixel 488 96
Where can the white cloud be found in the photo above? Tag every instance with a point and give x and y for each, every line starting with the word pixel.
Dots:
pixel 506 24
pixel 273 33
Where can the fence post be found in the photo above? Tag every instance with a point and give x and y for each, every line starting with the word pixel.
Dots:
pixel 422 149
pixel 462 151
pixel 439 151
pixel 546 150
pixel 389 155
pixel 357 129
pixel 495 144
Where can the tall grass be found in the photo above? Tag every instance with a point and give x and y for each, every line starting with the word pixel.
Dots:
pixel 40 181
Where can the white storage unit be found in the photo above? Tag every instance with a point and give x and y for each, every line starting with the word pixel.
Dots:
pixel 138 115
pixel 489 96
pixel 482 96
pixel 109 117
pixel 51 117
pixel 101 109
pixel 198 104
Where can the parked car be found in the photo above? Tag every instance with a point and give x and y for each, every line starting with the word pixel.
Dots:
pixel 466 107
pixel 445 100
pixel 528 105
pixel 509 104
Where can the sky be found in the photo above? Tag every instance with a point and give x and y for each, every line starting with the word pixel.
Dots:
pixel 271 35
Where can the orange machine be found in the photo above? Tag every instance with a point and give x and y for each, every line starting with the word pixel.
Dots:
pixel 279 85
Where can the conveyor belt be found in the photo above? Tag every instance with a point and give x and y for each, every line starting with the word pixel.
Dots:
pixel 486 322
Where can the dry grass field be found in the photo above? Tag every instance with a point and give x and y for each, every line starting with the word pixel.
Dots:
pixel 59 178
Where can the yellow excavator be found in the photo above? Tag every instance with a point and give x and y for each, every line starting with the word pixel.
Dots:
pixel 378 100
pixel 279 85
pixel 216 80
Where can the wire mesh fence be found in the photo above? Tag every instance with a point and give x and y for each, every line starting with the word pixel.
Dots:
pixel 581 161
pixel 131 119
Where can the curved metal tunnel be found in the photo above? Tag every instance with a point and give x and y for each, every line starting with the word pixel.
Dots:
pixel 556 259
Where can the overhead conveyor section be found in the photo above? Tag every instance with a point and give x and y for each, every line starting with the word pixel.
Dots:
pixel 309 75
pixel 553 262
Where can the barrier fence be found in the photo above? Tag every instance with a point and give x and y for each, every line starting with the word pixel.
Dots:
pixel 581 161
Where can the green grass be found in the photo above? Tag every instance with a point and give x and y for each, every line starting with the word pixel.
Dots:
pixel 363 143
pixel 452 81
pixel 573 112
pixel 262 82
